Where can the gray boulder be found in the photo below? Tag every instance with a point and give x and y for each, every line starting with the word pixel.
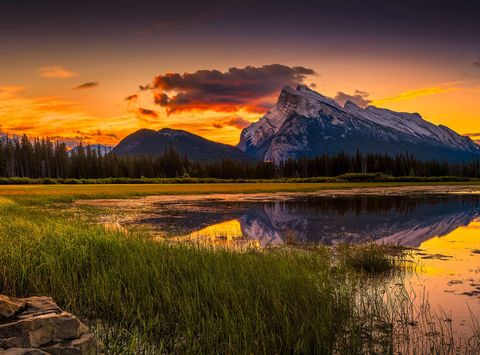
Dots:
pixel 36 325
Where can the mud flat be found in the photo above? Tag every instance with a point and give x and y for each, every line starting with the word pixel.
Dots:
pixel 279 196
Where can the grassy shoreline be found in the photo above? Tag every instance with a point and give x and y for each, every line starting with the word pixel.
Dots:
pixel 142 296
pixel 160 297
pixel 70 193
pixel 352 177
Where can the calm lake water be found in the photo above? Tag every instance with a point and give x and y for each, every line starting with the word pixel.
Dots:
pixel 444 230
pixel 403 220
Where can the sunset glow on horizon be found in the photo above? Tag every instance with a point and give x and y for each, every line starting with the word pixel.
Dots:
pixel 212 74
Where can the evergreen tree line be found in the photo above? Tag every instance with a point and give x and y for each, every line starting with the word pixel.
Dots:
pixel 42 158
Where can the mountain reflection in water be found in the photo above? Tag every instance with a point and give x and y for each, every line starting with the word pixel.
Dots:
pixel 403 220
pixel 444 229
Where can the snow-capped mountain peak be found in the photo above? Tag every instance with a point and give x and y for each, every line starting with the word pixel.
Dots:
pixel 305 123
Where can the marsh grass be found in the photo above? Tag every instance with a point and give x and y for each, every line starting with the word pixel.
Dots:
pixel 373 258
pixel 171 297
pixel 141 296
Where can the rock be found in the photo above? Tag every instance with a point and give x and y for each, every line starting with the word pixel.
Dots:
pixel 36 325
pixel 9 306
pixel 84 345
pixel 22 351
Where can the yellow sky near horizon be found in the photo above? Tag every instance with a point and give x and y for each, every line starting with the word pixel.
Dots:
pixel 50 106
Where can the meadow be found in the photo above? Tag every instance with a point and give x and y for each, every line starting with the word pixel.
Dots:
pixel 62 192
pixel 141 296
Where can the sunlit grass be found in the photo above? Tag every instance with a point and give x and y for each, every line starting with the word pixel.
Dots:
pixel 5 202
pixel 69 192
pixel 173 296
pixel 142 296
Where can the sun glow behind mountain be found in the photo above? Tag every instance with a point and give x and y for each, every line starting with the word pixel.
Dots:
pixel 212 71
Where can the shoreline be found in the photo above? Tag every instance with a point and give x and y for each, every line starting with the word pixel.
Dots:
pixel 282 195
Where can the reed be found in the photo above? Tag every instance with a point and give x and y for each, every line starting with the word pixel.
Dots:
pixel 142 296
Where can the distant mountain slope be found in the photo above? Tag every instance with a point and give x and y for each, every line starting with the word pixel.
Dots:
pixel 154 143
pixel 100 149
pixel 306 123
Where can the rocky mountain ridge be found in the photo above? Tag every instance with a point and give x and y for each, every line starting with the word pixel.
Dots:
pixel 306 123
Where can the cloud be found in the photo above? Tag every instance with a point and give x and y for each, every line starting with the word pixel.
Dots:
pixel 55 72
pixel 144 87
pixel 237 122
pixel 161 99
pixel 359 98
pixel 474 136
pixel 147 112
pixel 97 133
pixel 88 85
pixel 21 128
pixel 476 63
pixel 408 95
pixel 56 117
pixel 131 98
pixel 250 88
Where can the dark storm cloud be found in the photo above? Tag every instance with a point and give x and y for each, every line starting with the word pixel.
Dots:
pixel 88 85
pixel 237 88
pixel 359 98
pixel 161 99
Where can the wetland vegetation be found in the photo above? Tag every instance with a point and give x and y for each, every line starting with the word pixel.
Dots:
pixel 144 296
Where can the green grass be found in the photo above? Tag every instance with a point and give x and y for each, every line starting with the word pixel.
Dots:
pixel 371 258
pixel 351 177
pixel 173 297
pixel 141 296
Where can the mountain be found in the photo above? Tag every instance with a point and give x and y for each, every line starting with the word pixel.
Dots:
pixel 99 148
pixel 6 138
pixel 154 143
pixel 306 123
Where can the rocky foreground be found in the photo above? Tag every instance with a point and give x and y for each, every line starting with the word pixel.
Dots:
pixel 36 325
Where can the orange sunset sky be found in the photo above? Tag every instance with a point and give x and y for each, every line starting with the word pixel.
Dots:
pixel 99 73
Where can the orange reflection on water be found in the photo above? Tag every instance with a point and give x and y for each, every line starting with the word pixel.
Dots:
pixel 226 234
pixel 449 275
pixel 456 253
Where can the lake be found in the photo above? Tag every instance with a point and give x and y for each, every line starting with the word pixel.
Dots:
pixel 444 231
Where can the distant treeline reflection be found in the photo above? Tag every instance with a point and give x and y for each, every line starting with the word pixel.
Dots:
pixel 357 205
pixel 43 158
